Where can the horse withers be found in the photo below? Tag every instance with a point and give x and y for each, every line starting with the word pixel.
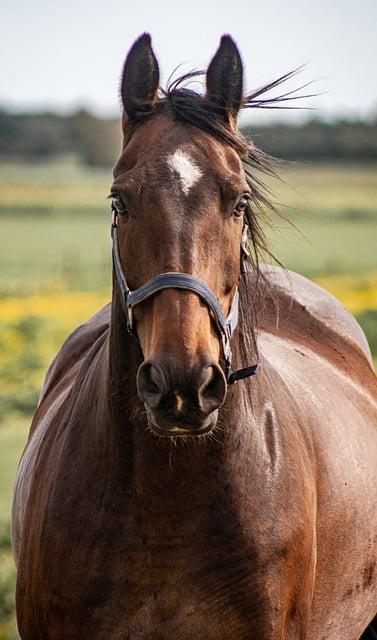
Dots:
pixel 156 497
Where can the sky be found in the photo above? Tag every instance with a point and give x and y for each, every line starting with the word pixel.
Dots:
pixel 68 54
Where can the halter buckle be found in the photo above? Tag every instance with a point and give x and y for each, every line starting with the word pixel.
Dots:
pixel 130 316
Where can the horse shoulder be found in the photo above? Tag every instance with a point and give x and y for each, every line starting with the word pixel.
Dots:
pixel 312 311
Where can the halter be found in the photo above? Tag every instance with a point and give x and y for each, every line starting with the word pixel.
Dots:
pixel 177 280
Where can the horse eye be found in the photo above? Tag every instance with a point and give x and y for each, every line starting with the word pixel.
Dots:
pixel 118 204
pixel 241 205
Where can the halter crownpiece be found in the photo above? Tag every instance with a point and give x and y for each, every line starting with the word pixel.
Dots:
pixel 177 280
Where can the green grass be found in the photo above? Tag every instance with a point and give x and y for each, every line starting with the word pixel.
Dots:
pixel 341 190
pixel 320 247
pixel 55 252
pixel 54 227
pixel 334 208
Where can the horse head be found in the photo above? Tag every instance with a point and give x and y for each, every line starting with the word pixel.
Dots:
pixel 179 197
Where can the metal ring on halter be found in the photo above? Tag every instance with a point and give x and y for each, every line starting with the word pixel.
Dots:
pixel 177 280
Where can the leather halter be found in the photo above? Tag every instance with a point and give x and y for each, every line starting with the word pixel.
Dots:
pixel 177 280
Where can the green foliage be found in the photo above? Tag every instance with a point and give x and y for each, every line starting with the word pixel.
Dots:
pixel 96 141
pixel 316 140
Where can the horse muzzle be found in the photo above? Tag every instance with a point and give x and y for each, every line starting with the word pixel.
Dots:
pixel 181 405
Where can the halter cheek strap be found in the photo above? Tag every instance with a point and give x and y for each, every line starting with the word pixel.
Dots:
pixel 177 280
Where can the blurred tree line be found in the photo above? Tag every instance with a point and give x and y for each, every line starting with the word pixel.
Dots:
pixel 96 141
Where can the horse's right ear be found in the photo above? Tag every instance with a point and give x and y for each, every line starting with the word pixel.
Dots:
pixel 140 78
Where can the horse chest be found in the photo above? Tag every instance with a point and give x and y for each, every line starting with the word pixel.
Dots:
pixel 139 585
pixel 174 591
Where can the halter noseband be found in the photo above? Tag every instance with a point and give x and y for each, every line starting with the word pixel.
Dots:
pixel 177 280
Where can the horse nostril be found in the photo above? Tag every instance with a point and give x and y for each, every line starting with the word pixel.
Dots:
pixel 212 389
pixel 208 392
pixel 150 384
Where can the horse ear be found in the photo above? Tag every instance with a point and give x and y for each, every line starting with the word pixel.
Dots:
pixel 225 79
pixel 140 78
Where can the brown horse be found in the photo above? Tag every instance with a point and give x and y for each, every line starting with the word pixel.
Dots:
pixel 156 499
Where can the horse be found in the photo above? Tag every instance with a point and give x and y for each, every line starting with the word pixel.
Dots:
pixel 202 461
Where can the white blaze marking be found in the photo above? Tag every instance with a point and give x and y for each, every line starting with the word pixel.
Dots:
pixel 187 169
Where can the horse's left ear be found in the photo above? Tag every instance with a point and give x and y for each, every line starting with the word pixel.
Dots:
pixel 140 78
pixel 225 79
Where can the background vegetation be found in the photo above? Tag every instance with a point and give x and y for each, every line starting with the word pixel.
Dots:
pixel 55 265
pixel 96 141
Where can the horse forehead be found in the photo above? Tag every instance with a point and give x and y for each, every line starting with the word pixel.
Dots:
pixel 182 164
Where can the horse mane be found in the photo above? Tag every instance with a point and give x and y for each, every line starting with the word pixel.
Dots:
pixel 192 107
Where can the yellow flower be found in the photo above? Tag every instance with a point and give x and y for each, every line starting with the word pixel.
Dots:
pixel 356 293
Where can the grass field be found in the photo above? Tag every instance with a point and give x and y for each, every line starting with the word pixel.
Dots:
pixel 55 271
